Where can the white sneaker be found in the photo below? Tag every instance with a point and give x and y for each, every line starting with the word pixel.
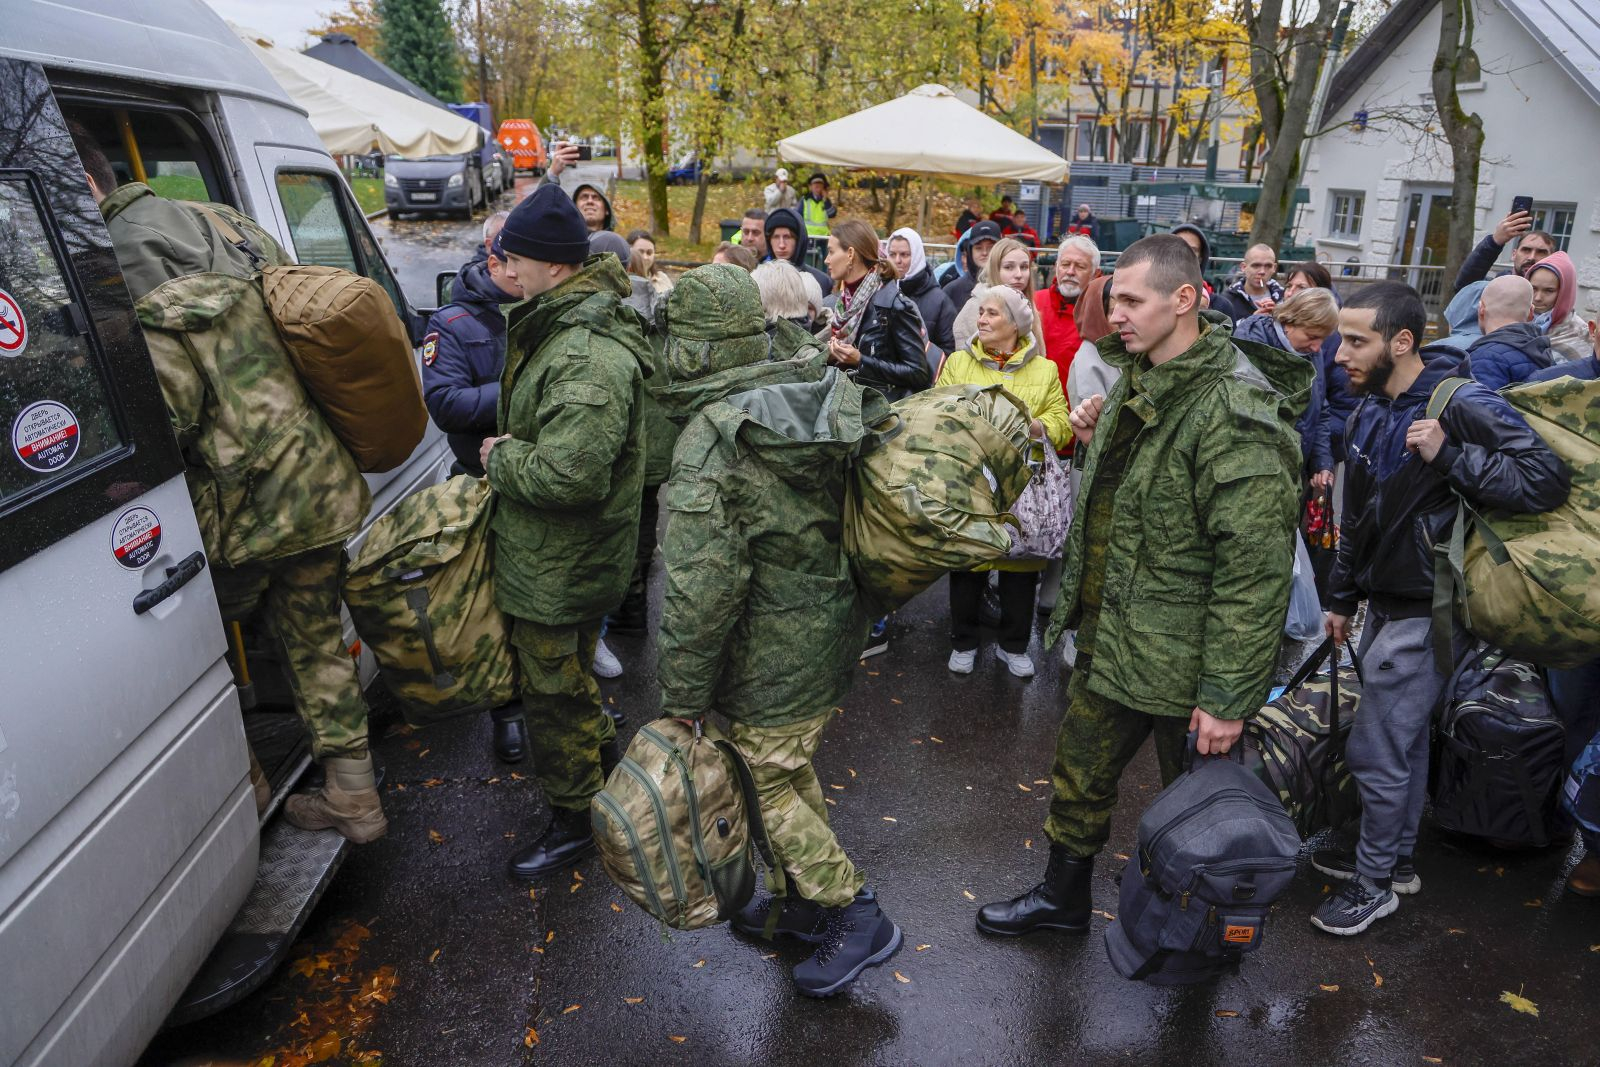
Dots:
pixel 606 664
pixel 1020 665
pixel 961 662
pixel 1069 650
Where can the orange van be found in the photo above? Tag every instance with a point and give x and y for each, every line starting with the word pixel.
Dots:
pixel 520 137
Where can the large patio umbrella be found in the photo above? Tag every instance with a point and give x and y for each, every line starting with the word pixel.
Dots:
pixel 928 132
pixel 352 115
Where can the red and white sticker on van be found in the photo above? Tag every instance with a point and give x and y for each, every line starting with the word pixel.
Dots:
pixel 45 436
pixel 136 537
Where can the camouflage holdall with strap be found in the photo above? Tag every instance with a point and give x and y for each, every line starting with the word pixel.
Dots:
pixel 1296 745
pixel 1530 584
pixel 678 825
pixel 933 496
pixel 421 593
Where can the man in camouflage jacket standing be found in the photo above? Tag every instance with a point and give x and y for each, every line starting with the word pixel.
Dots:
pixel 568 474
pixel 275 491
pixel 761 619
pixel 1176 571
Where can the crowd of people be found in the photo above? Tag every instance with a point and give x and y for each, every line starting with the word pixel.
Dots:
pixel 592 389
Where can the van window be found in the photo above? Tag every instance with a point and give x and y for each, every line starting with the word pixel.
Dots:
pixel 55 403
pixel 164 148
pixel 316 208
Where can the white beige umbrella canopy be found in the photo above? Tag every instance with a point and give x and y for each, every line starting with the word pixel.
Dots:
pixel 352 114
pixel 928 132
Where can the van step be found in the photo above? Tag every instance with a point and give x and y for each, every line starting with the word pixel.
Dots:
pixel 295 869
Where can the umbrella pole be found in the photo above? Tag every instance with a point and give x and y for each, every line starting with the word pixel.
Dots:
pixel 922 215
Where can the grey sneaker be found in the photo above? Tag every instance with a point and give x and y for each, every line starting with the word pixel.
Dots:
pixel 1020 664
pixel 1341 864
pixel 1354 906
pixel 961 662
pixel 606 664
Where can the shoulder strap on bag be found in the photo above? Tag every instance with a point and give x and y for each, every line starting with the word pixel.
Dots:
pixel 776 880
pixel 1442 394
pixel 231 234
pixel 1449 579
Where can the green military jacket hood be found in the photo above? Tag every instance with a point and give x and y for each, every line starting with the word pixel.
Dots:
pixel 761 619
pixel 1198 561
pixel 267 476
pixel 570 481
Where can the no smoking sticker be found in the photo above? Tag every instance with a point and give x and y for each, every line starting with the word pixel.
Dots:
pixel 136 537
pixel 45 436
pixel 13 326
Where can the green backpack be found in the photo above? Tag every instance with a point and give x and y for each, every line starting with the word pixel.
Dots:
pixel 421 593
pixel 678 825
pixel 1530 584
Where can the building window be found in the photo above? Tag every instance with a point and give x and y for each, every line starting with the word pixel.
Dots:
pixel 1094 140
pixel 1344 214
pixel 1143 138
pixel 1555 220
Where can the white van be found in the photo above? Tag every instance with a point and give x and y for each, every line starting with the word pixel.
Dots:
pixel 135 875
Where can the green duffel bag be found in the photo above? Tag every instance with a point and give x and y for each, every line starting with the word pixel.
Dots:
pixel 678 825
pixel 421 593
pixel 933 495
pixel 1530 584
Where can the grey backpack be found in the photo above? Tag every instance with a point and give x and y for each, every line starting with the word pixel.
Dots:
pixel 1215 849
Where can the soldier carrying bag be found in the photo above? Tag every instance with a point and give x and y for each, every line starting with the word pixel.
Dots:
pixel 350 350
pixel 421 593
pixel 678 825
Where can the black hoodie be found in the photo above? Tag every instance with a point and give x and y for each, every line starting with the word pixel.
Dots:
pixel 610 221
pixel 789 219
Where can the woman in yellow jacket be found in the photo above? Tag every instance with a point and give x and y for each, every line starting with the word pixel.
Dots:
pixel 1003 352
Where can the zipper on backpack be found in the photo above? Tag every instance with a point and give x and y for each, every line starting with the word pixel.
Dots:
pixel 645 876
pixel 696 839
pixel 663 829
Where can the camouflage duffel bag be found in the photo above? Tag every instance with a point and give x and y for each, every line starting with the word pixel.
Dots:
pixel 933 495
pixel 421 593
pixel 1296 745
pixel 678 825
pixel 1530 584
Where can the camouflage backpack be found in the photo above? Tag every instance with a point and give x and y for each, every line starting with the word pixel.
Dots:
pixel 933 495
pixel 678 825
pixel 421 594
pixel 1530 584
pixel 1296 745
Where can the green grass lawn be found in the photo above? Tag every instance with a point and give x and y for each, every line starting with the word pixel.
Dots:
pixel 369 193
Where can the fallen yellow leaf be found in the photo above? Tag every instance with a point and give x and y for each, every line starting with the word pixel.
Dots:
pixel 435 954
pixel 1041 781
pixel 1518 1002
pixel 1025 788
pixel 633 1000
pixel 675 1037
pixel 515 777
pixel 575 887
pixel 324 1047
pixel 699 964
pixel 424 752
pixel 832 801
pixel 1594 948
pixel 918 741
pixel 436 837
pixel 832 785
pixel 839 710
pixel 1328 988
pixel 539 950
pixel 894 700
pixel 923 948
pixel 531 1038
pixel 1224 1013
pixel 1377 980
pixel 1123 856
pixel 533 894
pixel 890 818
pixel 578 875
pixel 569 1011
pixel 1106 915
pixel 1432 1059
pixel 936 740
pixel 968 895
pixel 1533 903
pixel 1458 930
pixel 770 956
pixel 852 771
pixel 1028 844
pixel 549 937
pixel 898 977
pixel 431 782
pixel 494 781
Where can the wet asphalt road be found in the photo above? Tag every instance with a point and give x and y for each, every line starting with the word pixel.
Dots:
pixel 424 953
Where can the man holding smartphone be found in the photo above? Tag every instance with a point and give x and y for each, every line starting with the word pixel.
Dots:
pixel 1531 245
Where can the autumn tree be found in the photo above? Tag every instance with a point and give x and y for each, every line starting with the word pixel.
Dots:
pixel 358 18
pixel 1454 62
pixel 419 43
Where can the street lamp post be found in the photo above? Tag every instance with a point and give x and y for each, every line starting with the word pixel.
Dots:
pixel 1214 83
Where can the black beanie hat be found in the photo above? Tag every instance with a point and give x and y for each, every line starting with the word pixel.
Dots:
pixel 546 226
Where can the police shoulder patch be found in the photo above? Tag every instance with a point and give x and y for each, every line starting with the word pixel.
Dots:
pixel 430 349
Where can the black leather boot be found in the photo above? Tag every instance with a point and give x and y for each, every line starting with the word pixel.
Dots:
pixel 610 756
pixel 1061 902
pixel 615 715
pixel 510 733
pixel 568 839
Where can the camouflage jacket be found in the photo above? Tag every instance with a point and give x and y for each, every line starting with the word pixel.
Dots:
pixel 267 476
pixel 1198 564
pixel 570 481
pixel 761 619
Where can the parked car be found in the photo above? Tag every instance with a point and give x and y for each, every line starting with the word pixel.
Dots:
pixel 435 185
pixel 687 172
pixel 137 882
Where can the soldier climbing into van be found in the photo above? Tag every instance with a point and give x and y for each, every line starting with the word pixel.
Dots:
pixel 275 491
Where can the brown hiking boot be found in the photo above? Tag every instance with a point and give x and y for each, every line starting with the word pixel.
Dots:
pixel 1585 877
pixel 348 802
pixel 259 785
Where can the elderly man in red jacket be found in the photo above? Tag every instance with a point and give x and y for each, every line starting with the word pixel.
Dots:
pixel 1077 264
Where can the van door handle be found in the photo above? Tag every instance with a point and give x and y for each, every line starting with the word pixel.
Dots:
pixel 177 578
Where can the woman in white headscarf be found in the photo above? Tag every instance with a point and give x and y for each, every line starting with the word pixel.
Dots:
pixel 916 281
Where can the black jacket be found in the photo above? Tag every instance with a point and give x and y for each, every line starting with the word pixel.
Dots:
pixel 462 357
pixel 1396 507
pixel 1476 267
pixel 789 219
pixel 893 345
pixel 938 314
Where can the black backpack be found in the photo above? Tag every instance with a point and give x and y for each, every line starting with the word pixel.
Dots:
pixel 1296 745
pixel 1216 849
pixel 1500 753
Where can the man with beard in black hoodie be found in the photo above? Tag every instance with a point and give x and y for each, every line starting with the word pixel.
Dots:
pixel 787 240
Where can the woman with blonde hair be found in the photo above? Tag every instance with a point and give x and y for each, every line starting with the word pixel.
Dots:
pixel 1300 324
pixel 1004 352
pixel 1010 264
pixel 873 331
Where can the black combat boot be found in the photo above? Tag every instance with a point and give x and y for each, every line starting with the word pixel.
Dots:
pixel 610 756
pixel 799 918
pixel 857 936
pixel 615 715
pixel 633 617
pixel 1060 902
pixel 568 839
pixel 510 733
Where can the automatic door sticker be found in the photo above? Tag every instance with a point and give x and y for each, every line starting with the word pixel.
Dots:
pixel 13 327
pixel 45 436
pixel 136 537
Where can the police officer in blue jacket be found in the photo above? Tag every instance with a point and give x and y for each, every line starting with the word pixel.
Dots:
pixel 463 354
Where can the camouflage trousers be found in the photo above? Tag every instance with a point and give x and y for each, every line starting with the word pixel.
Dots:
pixel 298 601
pixel 561 702
pixel 1097 739
pixel 794 811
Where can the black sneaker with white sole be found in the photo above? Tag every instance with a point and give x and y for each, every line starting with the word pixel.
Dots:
pixel 1341 864
pixel 858 936
pixel 1354 906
